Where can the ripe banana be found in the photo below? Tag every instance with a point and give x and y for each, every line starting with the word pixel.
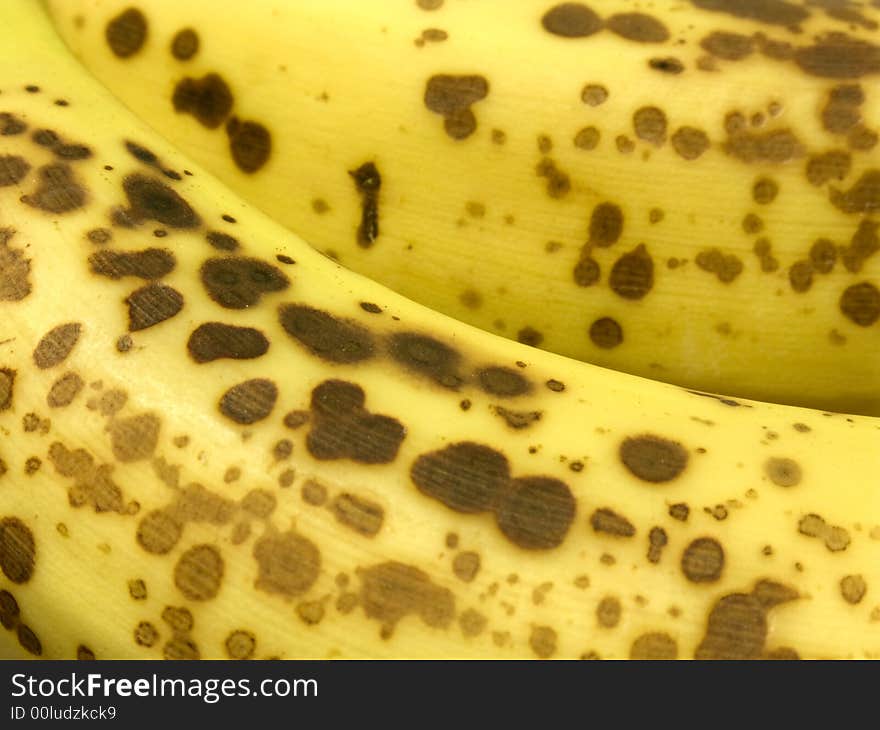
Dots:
pixel 689 191
pixel 220 443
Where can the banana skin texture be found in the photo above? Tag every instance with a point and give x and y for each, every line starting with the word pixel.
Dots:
pixel 686 192
pixel 219 443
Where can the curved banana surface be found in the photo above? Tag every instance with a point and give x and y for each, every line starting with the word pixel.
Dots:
pixel 686 192
pixel 219 443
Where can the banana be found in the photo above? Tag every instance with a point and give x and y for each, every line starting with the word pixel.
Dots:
pixel 686 192
pixel 219 443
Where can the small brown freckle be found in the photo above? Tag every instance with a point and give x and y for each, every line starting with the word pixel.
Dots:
pixel 62 529
pixel 232 474
pixel 145 634
pixel 552 246
pixel 313 493
pixel 752 224
pixel 608 612
pixel 607 559
pixel 499 136
pixel 655 215
pixel 783 472
pixel 286 478
pixel 853 588
pixel 137 589
pixel 180 441
pixel 679 511
pixel 99 236
pixel 765 190
pixel 667 64
pixel 587 138
pixel 451 540
pixel 703 560
pixel 594 94
pixel 530 336
pixel 576 466
pixel 543 641
pixel 124 343
pixel 61 102
pixel 32 465
pixel 624 144
pixel 606 333
pixel 466 565
pixel 471 299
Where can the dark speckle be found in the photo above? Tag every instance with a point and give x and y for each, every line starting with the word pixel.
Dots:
pixel 213 340
pixel 638 27
pixel 58 191
pixel 466 477
pixel 728 46
pixel 151 199
pixel 666 64
pixel 250 401
pixel 571 20
pixel 151 263
pixel 839 56
pixel 860 303
pixel 126 32
pixel 17 550
pixel 452 97
pixel 151 305
pixel 653 458
pixel 632 275
pixel 649 124
pixel 208 99
pixel 503 382
pixel 54 347
pixel 535 513
pixel 12 169
pixel 342 428
pixel 239 282
pixel 703 560
pixel 222 241
pixel 609 522
pixel 250 144
pixel 329 337
pixel 606 333
pixel 771 12
pixel 426 356
pixel 185 44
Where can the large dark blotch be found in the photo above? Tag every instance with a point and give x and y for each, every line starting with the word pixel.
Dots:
pixel 151 305
pixel 503 382
pixel 638 27
pixel 632 275
pixel 466 477
pixel 57 191
pixel 653 458
pixel 571 20
pixel 330 338
pixel 832 165
pixel 238 282
pixel 15 270
pixel 54 347
pixel 12 169
pixel 737 625
pixel 288 563
pixel 11 125
pixel 860 303
pixel 536 513
pixel 250 401
pixel 361 515
pixel 17 550
pixel 839 56
pixel 776 146
pixel 150 264
pixel 841 112
pixel 250 144
pixel 392 590
pixel 208 99
pixel 863 197
pixel 126 33
pixel 342 428
pixel 452 97
pixel 151 199
pixel 427 356
pixel 771 12
pixel 64 150
pixel 214 340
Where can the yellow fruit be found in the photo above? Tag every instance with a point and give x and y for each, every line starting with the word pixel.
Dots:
pixel 219 443
pixel 685 192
